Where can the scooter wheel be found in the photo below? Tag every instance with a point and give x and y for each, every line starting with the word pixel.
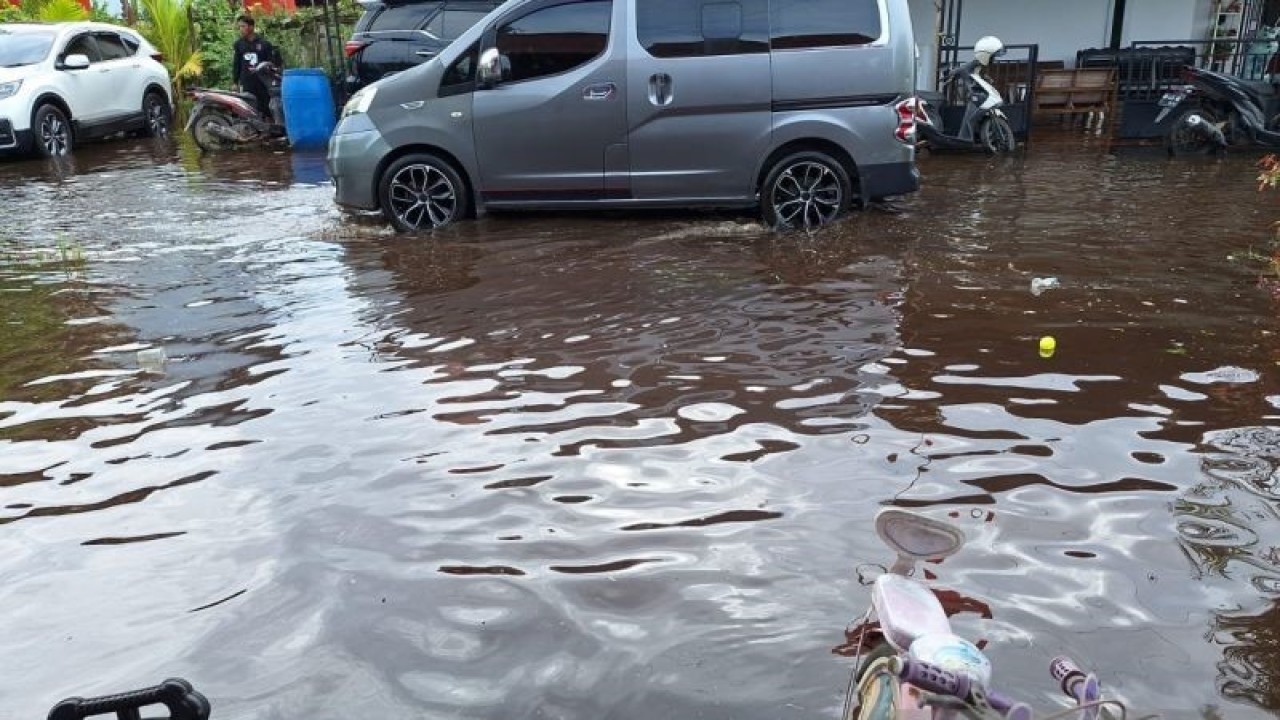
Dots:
pixel 1184 139
pixel 997 135
pixel 206 139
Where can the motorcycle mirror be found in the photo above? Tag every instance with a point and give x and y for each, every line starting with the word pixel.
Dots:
pixel 916 537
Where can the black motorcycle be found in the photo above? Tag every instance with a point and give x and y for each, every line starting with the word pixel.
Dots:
pixel 1213 111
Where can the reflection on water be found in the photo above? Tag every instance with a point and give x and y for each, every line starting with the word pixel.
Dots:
pixel 617 465
pixel 1230 528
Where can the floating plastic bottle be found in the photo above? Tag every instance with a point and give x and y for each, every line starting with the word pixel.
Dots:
pixel 1041 285
pixel 152 360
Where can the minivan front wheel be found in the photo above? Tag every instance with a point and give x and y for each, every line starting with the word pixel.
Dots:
pixel 422 192
pixel 805 190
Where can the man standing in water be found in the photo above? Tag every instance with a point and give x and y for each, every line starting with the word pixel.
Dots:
pixel 249 52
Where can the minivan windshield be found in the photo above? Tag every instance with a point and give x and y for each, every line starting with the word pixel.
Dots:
pixel 24 47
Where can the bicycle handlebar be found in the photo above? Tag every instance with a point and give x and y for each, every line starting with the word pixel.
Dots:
pixel 934 679
pixel 1082 687
pixel 177 695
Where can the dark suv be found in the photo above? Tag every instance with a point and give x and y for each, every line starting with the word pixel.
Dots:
pixel 394 36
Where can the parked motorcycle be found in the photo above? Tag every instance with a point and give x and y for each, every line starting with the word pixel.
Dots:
pixel 1213 111
pixel 917 662
pixel 985 126
pixel 222 119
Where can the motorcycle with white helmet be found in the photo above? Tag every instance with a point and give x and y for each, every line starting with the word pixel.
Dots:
pixel 985 126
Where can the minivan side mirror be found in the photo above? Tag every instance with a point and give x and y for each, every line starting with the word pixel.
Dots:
pixel 489 69
pixel 75 62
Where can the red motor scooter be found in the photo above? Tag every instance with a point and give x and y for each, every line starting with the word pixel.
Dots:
pixel 221 119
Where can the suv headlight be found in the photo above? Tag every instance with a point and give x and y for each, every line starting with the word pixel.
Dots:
pixel 9 88
pixel 360 102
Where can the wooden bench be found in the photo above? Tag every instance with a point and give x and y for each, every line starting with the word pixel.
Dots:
pixel 1087 91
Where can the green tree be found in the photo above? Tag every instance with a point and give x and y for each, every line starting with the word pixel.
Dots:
pixel 61 11
pixel 42 11
pixel 167 25
pixel 215 34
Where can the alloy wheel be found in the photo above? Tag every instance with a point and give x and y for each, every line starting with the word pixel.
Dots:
pixel 157 117
pixel 422 197
pixel 54 134
pixel 806 195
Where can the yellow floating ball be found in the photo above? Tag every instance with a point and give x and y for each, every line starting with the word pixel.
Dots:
pixel 1047 346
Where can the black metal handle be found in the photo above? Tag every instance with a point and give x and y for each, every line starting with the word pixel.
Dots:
pixel 176 694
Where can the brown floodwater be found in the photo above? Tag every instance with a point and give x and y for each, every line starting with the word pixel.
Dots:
pixel 615 465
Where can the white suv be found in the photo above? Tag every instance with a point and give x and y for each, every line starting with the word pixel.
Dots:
pixel 65 82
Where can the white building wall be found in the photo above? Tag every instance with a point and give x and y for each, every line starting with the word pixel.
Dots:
pixel 1059 28
pixel 1165 20
pixel 924 24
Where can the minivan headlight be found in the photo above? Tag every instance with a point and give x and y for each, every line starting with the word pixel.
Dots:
pixel 360 102
pixel 9 88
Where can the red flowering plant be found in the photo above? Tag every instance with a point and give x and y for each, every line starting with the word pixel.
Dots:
pixel 1269 179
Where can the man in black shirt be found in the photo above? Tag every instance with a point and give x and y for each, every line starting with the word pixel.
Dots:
pixel 248 52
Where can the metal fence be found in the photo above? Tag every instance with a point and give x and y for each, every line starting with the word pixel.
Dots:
pixel 1148 68
pixel 1143 71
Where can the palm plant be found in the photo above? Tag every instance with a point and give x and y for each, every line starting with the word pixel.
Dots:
pixel 167 25
pixel 43 11
pixel 61 11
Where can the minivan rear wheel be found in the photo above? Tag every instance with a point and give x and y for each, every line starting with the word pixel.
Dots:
pixel 805 190
pixel 422 192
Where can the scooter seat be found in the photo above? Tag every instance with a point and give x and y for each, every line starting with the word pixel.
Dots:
pixel 247 97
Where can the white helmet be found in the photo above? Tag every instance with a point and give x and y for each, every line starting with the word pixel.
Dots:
pixel 987 48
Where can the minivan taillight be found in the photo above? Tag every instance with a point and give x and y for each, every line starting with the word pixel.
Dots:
pixel 906 130
pixel 353 46
pixel 157 56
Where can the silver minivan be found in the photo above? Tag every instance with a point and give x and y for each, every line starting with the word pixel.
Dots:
pixel 800 106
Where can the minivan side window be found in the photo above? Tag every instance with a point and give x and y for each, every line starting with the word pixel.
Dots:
pixel 460 77
pixel 680 28
pixel 555 39
pixel 823 23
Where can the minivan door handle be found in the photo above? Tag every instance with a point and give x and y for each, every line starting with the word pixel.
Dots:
pixel 660 89
pixel 602 91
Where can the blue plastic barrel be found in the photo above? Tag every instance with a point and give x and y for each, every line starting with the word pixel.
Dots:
pixel 308 107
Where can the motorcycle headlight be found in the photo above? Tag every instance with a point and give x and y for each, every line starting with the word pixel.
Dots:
pixel 10 88
pixel 360 102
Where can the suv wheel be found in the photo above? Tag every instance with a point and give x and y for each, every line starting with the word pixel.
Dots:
pixel 422 192
pixel 159 117
pixel 805 191
pixel 53 136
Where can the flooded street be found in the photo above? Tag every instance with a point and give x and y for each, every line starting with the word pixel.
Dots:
pixel 624 465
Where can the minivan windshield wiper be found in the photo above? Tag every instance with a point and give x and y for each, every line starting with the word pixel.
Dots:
pixel 14 65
